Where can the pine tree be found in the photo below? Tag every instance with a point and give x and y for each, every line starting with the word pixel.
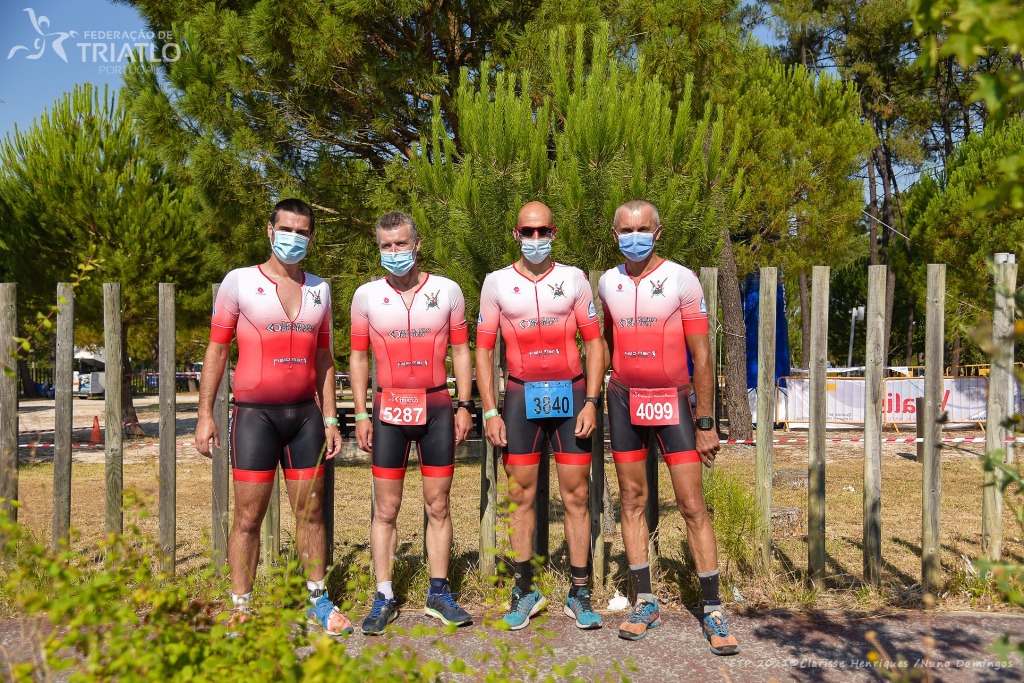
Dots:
pixel 79 180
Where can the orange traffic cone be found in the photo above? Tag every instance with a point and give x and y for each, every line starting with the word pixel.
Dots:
pixel 96 438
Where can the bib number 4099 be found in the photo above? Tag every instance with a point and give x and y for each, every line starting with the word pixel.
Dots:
pixel 654 407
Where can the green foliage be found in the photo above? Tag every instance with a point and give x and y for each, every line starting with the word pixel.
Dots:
pixel 116 615
pixel 608 125
pixel 948 223
pixel 82 181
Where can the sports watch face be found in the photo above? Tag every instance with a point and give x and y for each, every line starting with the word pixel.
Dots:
pixel 705 423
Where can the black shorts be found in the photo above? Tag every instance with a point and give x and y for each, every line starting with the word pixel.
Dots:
pixel 263 435
pixel 524 436
pixel 435 440
pixel 629 441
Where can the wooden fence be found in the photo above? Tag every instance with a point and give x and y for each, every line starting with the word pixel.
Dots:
pixel 1000 394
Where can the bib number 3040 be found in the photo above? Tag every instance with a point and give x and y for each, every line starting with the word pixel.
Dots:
pixel 654 407
pixel 548 399
pixel 404 406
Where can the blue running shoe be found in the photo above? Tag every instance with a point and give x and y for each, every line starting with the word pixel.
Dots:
pixel 383 612
pixel 443 606
pixel 324 614
pixel 578 607
pixel 716 631
pixel 643 618
pixel 522 607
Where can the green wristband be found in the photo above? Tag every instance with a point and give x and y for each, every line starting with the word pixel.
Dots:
pixel 330 422
pixel 493 412
pixel 362 416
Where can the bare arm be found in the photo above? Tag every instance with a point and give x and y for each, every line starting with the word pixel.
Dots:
pixel 704 385
pixel 214 362
pixel 325 387
pixel 359 376
pixel 494 426
pixel 586 421
pixel 462 364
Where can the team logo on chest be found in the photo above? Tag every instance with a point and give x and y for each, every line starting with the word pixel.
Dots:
pixel 432 299
pixel 557 290
pixel 316 298
pixel 658 288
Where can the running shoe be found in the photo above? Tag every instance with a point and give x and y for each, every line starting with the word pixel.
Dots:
pixel 321 612
pixel 383 612
pixel 578 607
pixel 643 618
pixel 716 631
pixel 522 607
pixel 443 606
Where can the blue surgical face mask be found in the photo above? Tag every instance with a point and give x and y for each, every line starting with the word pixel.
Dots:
pixel 397 262
pixel 537 250
pixel 636 245
pixel 290 247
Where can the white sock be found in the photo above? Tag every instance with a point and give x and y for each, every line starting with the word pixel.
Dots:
pixel 316 589
pixel 241 600
pixel 384 587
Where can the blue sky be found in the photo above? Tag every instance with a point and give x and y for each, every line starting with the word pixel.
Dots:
pixel 94 36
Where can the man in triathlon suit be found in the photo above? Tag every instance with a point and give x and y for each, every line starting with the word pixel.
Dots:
pixel 539 306
pixel 409 318
pixel 654 313
pixel 281 317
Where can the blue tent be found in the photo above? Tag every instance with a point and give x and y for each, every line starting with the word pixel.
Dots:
pixel 750 292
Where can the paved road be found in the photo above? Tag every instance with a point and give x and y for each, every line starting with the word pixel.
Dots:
pixel 777 646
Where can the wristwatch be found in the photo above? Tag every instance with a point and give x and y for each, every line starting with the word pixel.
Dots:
pixel 596 400
pixel 468 405
pixel 705 424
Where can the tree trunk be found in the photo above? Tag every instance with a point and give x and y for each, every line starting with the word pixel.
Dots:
pixel 805 324
pixel 910 330
pixel 954 357
pixel 28 386
pixel 130 417
pixel 736 402
pixel 873 212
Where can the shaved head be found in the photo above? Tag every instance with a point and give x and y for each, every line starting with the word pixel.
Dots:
pixel 534 214
pixel 643 210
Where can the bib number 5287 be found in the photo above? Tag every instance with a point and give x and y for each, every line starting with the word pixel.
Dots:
pixel 403 406
pixel 654 407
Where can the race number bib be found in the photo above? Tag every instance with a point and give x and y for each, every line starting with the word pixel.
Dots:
pixel 404 406
pixel 654 407
pixel 548 399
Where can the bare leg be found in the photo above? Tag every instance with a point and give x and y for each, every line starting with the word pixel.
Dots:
pixel 522 488
pixel 387 501
pixel 686 482
pixel 251 501
pixel 306 496
pixel 574 487
pixel 633 498
pixel 439 524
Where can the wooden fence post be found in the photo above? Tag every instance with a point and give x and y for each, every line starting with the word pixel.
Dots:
pixel 597 478
pixel 874 396
pixel 489 479
pixel 63 413
pixel 221 464
pixel 9 397
pixel 653 512
pixel 272 524
pixel 542 505
pixel 168 422
pixel 113 415
pixel 816 428
pixel 709 283
pixel 1000 408
pixel 931 567
pixel 765 409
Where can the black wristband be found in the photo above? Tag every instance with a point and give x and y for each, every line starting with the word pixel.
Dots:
pixel 596 400
pixel 468 405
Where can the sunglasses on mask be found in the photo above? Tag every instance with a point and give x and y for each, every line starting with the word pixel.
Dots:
pixel 533 232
